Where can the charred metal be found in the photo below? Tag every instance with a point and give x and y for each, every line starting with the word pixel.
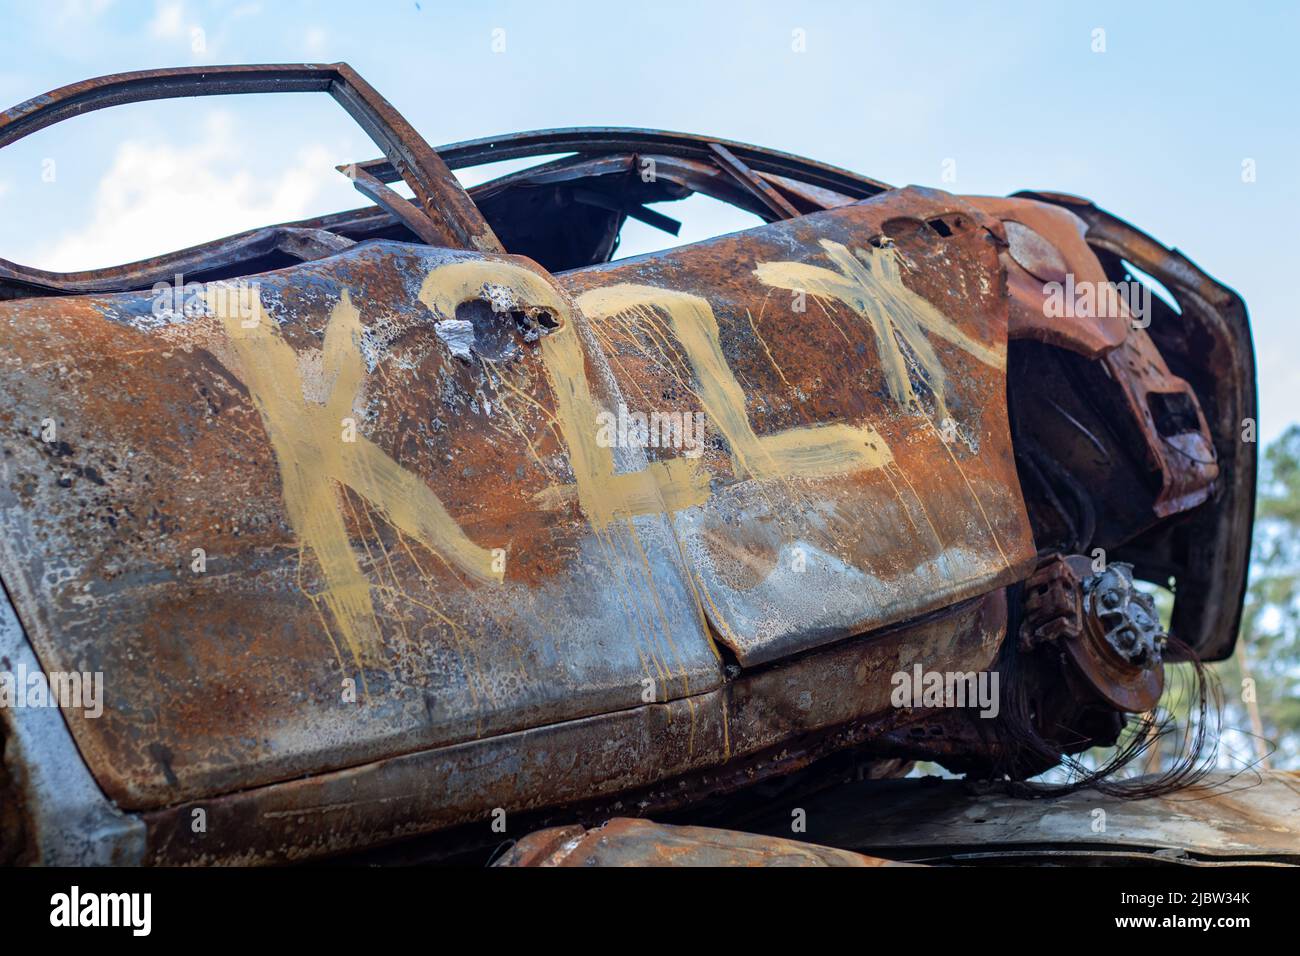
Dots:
pixel 429 594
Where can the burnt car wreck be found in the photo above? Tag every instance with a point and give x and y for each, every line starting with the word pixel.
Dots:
pixel 344 529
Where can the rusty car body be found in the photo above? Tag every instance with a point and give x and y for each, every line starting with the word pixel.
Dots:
pixel 343 527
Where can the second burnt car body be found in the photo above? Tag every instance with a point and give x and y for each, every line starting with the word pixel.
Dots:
pixel 363 531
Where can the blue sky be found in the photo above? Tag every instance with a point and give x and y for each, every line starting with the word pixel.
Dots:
pixel 1155 128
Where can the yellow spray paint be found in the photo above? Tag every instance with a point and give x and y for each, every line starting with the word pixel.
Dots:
pixel 603 495
pixel 305 422
pixel 810 452
pixel 314 455
pixel 871 284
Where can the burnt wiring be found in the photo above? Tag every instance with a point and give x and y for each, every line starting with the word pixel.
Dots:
pixel 1192 744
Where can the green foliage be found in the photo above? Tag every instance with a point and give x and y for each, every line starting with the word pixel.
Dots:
pixel 1270 627
pixel 1266 661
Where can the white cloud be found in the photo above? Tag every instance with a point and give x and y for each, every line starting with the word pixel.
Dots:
pixel 169 19
pixel 158 197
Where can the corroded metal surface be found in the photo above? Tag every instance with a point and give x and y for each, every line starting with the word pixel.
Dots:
pixel 1045 245
pixel 1209 341
pixel 859 347
pixel 338 617
pixel 759 725
pixel 51 810
pixel 1177 437
pixel 1242 818
pixel 471 560
pixel 1048 250
pixel 378 544
pixel 626 842
pixel 1107 627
